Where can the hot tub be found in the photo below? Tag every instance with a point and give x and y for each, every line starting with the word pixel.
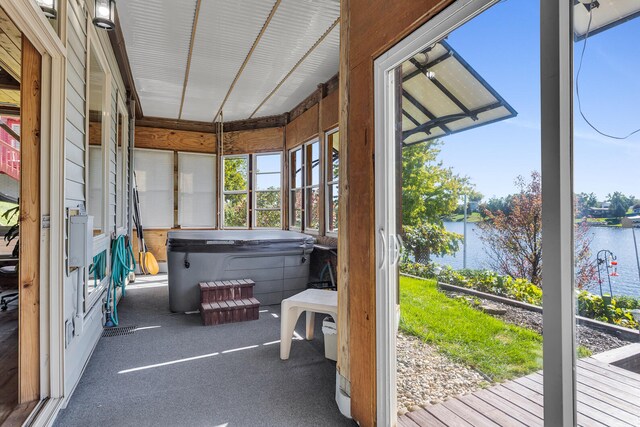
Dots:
pixel 277 261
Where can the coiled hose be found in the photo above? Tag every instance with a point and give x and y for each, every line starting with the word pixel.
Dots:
pixel 122 263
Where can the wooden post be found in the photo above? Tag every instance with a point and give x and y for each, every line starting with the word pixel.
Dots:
pixel 343 207
pixel 29 267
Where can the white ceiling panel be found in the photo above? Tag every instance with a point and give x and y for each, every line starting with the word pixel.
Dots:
pixel 157 35
pixel 318 67
pixel 225 33
pixel 294 29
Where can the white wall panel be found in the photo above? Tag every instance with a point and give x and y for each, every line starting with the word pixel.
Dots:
pixel 154 177
pixel 196 190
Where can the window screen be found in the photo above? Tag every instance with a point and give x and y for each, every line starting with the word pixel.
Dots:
pixel 196 190
pixel 154 177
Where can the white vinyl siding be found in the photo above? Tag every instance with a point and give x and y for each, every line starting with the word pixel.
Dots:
pixel 75 134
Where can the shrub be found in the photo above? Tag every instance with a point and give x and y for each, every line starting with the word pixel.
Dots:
pixel 618 312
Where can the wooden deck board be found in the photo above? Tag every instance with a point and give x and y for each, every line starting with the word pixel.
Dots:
pixel 499 417
pixel 607 396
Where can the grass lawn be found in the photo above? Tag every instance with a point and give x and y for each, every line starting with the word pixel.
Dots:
pixel 472 217
pixel 499 350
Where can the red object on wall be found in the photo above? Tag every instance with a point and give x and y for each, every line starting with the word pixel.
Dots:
pixel 10 149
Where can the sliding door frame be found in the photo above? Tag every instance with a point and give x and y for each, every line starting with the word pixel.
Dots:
pixel 30 20
pixel 556 145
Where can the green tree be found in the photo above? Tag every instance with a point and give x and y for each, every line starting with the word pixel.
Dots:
pixel 236 175
pixel 619 204
pixel 430 192
pixel 584 201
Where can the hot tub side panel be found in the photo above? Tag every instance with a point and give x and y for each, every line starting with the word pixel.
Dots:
pixel 277 275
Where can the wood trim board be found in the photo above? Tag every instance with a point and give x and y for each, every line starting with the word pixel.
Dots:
pixel 29 267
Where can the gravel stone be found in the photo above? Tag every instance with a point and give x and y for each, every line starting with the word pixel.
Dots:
pixel 425 376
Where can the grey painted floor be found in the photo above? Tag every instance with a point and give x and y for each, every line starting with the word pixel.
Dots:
pixel 175 372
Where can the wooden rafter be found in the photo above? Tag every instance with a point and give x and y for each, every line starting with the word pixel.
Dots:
pixel 300 61
pixel 10 46
pixel 194 28
pixel 246 59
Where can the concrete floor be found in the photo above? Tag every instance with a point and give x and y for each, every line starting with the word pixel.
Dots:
pixel 175 372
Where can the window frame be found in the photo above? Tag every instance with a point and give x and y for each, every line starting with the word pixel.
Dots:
pixel 255 191
pixel 101 241
pixel 224 192
pixel 122 168
pixel 308 185
pixel 213 187
pixel 293 189
pixel 329 181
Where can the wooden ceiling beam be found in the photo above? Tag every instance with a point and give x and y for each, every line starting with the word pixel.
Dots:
pixel 246 59
pixel 7 81
pixel 323 90
pixel 189 56
pixel 208 127
pixel 300 61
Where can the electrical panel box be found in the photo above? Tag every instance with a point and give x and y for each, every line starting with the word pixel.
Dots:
pixel 80 241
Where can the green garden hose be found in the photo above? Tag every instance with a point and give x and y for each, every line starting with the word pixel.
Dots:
pixel 122 263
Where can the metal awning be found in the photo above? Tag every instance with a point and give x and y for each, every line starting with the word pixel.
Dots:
pixel 443 95
pixel 604 14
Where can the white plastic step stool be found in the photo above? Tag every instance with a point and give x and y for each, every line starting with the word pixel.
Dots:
pixel 312 301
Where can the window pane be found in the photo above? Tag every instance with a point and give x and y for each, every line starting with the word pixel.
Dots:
pixel 196 190
pixel 236 174
pixel 269 181
pixel 268 200
pixel 296 202
pixel 95 202
pixel 333 150
pixel 606 234
pixel 296 168
pixel 315 163
pixel 154 176
pixel 235 210
pixel 268 163
pixel 332 207
pixel 269 219
pixel 313 208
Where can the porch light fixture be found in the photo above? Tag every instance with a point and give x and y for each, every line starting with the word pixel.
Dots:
pixel 49 8
pixel 105 14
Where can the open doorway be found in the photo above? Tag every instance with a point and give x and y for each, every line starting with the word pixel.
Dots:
pixel 20 71
pixel 453 121
pixel 10 168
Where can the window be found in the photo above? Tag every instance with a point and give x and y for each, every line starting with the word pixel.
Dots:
pixel 333 160
pixel 154 180
pixel 312 187
pixel 196 190
pixel 267 194
pixel 122 171
pixel 304 202
pixel 235 191
pixel 296 168
pixel 95 176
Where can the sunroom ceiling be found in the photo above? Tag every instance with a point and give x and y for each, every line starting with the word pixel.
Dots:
pixel 192 59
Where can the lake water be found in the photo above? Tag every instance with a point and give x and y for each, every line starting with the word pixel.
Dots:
pixel 617 240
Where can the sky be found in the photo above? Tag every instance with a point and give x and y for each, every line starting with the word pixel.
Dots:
pixel 502 45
